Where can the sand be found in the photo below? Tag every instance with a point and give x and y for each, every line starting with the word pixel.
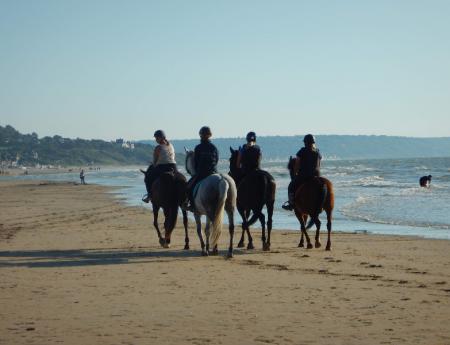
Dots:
pixel 79 267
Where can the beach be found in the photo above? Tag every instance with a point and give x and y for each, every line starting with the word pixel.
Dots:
pixel 78 266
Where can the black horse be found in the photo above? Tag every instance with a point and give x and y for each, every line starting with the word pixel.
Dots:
pixel 168 192
pixel 254 191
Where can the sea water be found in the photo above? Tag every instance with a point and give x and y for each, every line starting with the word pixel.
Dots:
pixel 375 196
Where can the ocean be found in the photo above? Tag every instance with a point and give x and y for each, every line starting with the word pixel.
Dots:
pixel 380 196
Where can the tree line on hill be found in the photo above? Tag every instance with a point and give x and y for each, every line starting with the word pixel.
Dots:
pixel 30 150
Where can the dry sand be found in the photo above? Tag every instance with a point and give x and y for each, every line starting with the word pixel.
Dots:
pixel 78 267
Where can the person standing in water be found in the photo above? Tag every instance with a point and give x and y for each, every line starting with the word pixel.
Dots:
pixel 425 181
pixel 82 177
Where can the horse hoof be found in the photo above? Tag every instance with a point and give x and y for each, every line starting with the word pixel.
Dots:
pixel 310 246
pixel 240 244
pixel 317 245
pixel 266 247
pixel 186 247
pixel 250 246
pixel 204 253
pixel 214 252
pixel 301 245
pixel 328 248
pixel 166 245
pixel 229 255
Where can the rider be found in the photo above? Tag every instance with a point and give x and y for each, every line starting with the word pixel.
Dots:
pixel 163 161
pixel 206 157
pixel 307 166
pixel 249 155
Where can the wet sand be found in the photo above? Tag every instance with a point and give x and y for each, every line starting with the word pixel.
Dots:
pixel 79 267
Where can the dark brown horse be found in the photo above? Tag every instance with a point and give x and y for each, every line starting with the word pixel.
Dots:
pixel 254 191
pixel 168 193
pixel 311 198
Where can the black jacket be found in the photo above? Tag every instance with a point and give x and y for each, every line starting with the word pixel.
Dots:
pixel 251 156
pixel 206 158
pixel 309 162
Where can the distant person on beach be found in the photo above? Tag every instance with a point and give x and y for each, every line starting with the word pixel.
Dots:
pixel 82 177
pixel 307 166
pixel 425 181
pixel 163 161
pixel 249 155
pixel 206 157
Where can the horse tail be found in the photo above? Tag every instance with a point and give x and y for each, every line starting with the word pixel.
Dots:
pixel 218 214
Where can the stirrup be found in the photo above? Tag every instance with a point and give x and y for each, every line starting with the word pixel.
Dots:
pixel 146 198
pixel 287 206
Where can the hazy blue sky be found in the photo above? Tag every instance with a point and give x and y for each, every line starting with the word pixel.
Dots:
pixel 108 69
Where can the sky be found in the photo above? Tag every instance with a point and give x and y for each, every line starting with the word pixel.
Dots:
pixel 110 69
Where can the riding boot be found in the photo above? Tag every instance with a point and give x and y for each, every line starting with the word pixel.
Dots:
pixel 146 198
pixel 289 205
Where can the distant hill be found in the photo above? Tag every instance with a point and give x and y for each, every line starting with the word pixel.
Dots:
pixel 29 149
pixel 336 146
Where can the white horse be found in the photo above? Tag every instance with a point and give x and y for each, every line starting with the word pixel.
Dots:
pixel 212 196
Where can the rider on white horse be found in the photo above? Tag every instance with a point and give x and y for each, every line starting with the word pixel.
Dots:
pixel 206 157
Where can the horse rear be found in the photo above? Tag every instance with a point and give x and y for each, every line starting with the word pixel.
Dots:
pixel 311 198
pixel 168 192
pixel 255 191
pixel 216 195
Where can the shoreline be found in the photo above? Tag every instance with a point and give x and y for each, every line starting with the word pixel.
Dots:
pixel 81 267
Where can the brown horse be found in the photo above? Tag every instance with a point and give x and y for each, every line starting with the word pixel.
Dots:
pixel 168 193
pixel 254 191
pixel 311 198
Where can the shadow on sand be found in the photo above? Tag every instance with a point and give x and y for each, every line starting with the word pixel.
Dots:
pixel 99 256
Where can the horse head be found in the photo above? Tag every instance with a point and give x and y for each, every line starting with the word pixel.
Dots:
pixel 290 166
pixel 189 162
pixel 233 160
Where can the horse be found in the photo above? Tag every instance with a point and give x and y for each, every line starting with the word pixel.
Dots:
pixel 254 191
pixel 213 196
pixel 168 193
pixel 310 199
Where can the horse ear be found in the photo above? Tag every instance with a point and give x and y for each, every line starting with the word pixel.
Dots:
pixel 142 171
pixel 231 149
pixel 186 150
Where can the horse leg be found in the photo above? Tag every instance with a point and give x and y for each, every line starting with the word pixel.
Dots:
pixel 269 224
pixel 186 235
pixel 303 228
pixel 198 221
pixel 207 233
pixel 301 244
pixel 317 243
pixel 244 221
pixel 155 224
pixel 167 217
pixel 251 221
pixel 329 217
pixel 230 214
pixel 262 220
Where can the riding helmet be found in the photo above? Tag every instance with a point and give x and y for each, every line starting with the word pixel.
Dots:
pixel 251 136
pixel 160 134
pixel 309 139
pixel 205 130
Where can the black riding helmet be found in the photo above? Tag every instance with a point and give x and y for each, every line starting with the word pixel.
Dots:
pixel 205 131
pixel 309 139
pixel 251 136
pixel 160 134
